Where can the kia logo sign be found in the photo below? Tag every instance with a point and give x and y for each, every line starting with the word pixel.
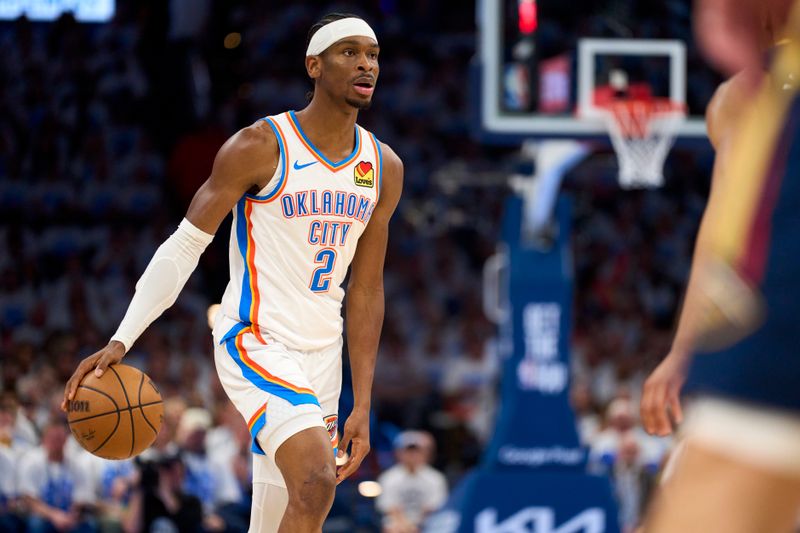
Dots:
pixel 540 520
pixel 528 520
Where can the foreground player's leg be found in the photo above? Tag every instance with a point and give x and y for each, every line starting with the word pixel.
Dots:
pixel 307 464
pixel 712 492
pixel 738 473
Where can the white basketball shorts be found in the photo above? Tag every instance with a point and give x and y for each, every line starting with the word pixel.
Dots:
pixel 278 391
pixel 758 435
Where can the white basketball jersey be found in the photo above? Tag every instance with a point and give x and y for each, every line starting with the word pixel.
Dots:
pixel 292 243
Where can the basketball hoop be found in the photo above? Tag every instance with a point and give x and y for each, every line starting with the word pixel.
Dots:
pixel 642 130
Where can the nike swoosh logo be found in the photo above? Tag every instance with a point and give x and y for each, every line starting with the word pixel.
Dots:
pixel 300 167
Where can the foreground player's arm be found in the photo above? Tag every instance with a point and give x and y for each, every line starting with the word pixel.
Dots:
pixel 245 162
pixel 365 307
pixel 662 389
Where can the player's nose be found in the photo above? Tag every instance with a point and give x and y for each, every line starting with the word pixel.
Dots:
pixel 364 63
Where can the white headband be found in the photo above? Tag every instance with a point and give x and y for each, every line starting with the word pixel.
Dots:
pixel 336 30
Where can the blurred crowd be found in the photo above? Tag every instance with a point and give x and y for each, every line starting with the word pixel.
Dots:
pixel 195 476
pixel 105 133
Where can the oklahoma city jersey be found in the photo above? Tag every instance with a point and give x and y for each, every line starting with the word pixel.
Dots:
pixel 291 244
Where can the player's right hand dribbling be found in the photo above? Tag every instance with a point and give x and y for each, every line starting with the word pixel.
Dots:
pixel 661 405
pixel 99 362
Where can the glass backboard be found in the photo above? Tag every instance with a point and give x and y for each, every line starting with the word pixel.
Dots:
pixel 541 61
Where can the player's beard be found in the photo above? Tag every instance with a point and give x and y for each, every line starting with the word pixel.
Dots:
pixel 361 105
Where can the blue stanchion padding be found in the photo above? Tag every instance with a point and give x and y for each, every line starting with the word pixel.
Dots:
pixel 535 427
pixel 532 477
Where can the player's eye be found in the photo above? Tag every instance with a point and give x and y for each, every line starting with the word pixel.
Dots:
pixel 349 52
pixel 373 55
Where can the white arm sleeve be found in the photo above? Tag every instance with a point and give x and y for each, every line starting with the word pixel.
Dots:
pixel 162 281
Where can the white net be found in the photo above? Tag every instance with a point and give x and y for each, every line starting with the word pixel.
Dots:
pixel 642 133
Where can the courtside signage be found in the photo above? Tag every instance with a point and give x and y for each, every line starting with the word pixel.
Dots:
pixel 528 502
pixel 540 520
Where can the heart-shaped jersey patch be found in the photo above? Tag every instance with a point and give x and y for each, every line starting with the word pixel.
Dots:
pixel 363 168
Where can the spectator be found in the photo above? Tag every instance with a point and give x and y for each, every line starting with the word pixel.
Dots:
pixel 411 489
pixel 8 492
pixel 400 386
pixel 632 482
pixel 621 423
pixel 588 422
pixel 212 481
pixel 16 432
pixel 225 439
pixel 630 457
pixel 56 490
pixel 113 482
pixel 174 407
pixel 229 444
pixel 469 385
pixel 158 502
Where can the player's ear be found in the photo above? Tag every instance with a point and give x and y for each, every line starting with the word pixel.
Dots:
pixel 313 66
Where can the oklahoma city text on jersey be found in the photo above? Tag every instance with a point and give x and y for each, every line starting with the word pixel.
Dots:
pixel 328 203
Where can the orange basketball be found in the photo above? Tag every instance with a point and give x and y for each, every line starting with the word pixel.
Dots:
pixel 118 415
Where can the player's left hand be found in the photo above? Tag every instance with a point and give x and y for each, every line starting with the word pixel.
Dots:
pixel 660 407
pixel 356 433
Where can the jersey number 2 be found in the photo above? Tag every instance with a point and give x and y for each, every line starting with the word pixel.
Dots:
pixel 321 278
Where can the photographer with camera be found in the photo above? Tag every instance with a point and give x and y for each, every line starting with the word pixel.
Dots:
pixel 158 503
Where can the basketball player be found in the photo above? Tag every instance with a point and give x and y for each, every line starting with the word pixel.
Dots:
pixel 740 468
pixel 311 193
pixel 660 405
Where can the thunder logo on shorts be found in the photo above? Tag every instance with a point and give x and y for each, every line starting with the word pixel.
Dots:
pixel 332 425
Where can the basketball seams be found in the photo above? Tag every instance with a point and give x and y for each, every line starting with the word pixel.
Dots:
pixel 115 411
pixel 107 395
pixel 121 384
pixel 141 410
pixel 138 404
pixel 133 433
pixel 147 421
pixel 111 434
pixel 130 414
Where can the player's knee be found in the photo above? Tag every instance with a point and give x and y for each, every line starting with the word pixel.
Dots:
pixel 314 491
